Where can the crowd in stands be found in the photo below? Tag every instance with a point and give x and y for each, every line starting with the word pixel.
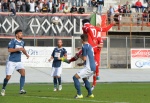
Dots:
pixel 76 6
pixel 51 6
pixel 126 10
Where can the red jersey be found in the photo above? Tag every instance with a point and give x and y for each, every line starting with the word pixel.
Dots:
pixel 91 31
pixel 93 36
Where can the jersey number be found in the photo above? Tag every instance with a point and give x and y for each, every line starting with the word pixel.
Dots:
pixel 94 32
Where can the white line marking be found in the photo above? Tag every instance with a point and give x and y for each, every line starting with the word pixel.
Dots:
pixel 96 101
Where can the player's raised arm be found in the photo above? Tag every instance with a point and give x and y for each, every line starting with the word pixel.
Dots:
pixel 104 29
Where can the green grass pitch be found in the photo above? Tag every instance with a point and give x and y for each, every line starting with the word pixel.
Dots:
pixel 104 93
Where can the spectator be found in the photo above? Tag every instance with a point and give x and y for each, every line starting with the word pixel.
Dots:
pixel 66 9
pixel 50 4
pixel 32 6
pixel 120 9
pixel 73 9
pixel 19 4
pixel 80 2
pixel 23 7
pixel 148 5
pixel 100 5
pixel 93 3
pixel 0 6
pixel 117 18
pixel 27 3
pixel 41 5
pixel 45 7
pixel 38 9
pixel 53 8
pixel 62 5
pixel 13 7
pixel 5 6
pixel 138 19
pixel 145 15
pixel 56 2
pixel 110 13
pixel 149 14
pixel 138 5
pixel 81 10
pixel 89 2
pixel 74 2
pixel 127 8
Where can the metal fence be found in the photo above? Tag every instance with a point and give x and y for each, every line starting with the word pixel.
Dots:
pixel 115 53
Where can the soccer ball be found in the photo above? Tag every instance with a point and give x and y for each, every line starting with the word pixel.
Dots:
pixel 55 20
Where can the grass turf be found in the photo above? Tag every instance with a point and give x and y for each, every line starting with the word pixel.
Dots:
pixel 104 93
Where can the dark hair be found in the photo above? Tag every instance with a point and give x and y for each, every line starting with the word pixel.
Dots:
pixel 17 31
pixel 85 21
pixel 84 37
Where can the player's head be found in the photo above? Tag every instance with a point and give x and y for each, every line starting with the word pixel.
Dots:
pixel 85 21
pixel 84 38
pixel 18 34
pixel 59 43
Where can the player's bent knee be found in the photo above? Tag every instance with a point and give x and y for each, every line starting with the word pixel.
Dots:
pixel 84 79
pixel 8 77
pixel 76 76
pixel 22 72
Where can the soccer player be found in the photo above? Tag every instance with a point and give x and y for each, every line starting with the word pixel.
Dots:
pixel 97 52
pixel 15 47
pixel 89 68
pixel 93 35
pixel 94 39
pixel 57 54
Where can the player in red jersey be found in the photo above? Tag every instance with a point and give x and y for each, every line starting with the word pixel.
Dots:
pixel 91 31
pixel 95 41
pixel 97 60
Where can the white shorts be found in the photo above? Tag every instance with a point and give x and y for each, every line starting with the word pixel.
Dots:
pixel 85 73
pixel 56 71
pixel 11 66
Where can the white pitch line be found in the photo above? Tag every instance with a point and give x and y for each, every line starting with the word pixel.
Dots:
pixel 96 101
pixel 121 102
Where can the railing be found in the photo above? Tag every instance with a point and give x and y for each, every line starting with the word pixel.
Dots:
pixel 129 22
pixel 115 53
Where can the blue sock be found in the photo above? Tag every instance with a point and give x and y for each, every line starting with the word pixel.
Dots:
pixel 5 83
pixel 87 86
pixel 77 85
pixel 59 80
pixel 55 82
pixel 22 81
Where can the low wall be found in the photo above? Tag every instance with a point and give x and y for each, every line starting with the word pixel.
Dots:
pixel 117 57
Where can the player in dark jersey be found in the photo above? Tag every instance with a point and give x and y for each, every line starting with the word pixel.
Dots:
pixel 57 54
